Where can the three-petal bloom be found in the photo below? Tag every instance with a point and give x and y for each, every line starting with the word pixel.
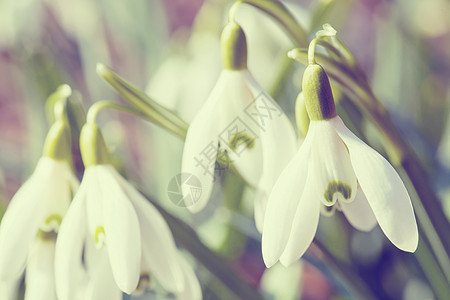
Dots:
pixel 333 168
pixel 112 239
pixel 240 120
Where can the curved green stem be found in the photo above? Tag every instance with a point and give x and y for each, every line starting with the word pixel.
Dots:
pixel 281 14
pixel 99 105
pixel 233 10
pixel 312 52
pixel 53 107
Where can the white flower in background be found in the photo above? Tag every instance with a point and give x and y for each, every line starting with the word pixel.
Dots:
pixel 30 224
pixel 333 168
pixel 112 239
pixel 238 119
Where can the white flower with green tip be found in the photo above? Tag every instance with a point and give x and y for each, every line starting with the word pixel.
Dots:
pixel 112 239
pixel 238 119
pixel 333 169
pixel 30 224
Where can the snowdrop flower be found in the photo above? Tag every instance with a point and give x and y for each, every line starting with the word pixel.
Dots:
pixel 239 122
pixel 29 227
pixel 112 239
pixel 333 169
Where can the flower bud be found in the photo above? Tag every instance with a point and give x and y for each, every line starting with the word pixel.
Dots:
pixel 318 96
pixel 92 146
pixel 234 47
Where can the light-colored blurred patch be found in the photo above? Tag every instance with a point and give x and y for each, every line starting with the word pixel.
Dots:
pixel 366 247
pixel 214 231
pixel 430 18
pixel 18 18
pixel 283 283
pixel 416 289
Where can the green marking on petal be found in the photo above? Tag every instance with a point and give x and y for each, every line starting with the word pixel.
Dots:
pixel 54 217
pixel 99 236
pixel 239 138
pixel 49 230
pixel 337 187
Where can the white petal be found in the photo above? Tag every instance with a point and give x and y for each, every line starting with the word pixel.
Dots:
pixel 123 236
pixel 40 277
pixel 73 181
pixel 69 272
pixel 238 132
pixel 56 196
pixel 334 178
pixel 101 284
pixel 192 289
pixel 94 205
pixel 200 150
pixel 20 221
pixel 305 223
pixel 248 162
pixel 158 247
pixel 384 190
pixel 282 204
pixel 359 213
pixel 9 289
pixel 279 145
pixel 260 204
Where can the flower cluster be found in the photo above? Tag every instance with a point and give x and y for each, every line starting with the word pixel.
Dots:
pixel 108 240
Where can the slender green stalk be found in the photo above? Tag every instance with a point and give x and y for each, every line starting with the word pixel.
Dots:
pixel 281 14
pixel 62 92
pixel 428 264
pixel 99 105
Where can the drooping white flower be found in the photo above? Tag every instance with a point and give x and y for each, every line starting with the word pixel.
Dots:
pixel 111 237
pixel 333 168
pixel 238 119
pixel 36 209
pixel 29 227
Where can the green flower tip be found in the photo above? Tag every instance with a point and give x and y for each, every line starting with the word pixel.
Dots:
pixel 317 91
pixel 92 146
pixel 234 47
pixel 58 144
